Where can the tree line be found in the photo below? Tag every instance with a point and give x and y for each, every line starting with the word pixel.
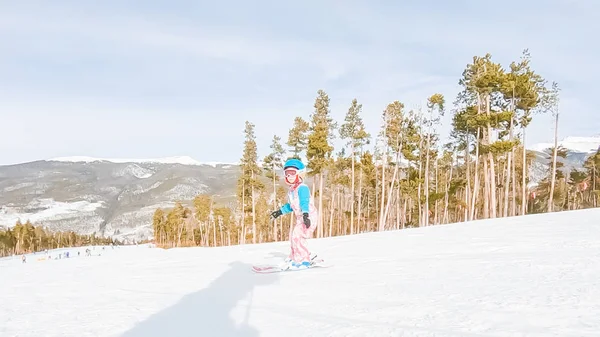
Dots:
pixel 27 238
pixel 408 177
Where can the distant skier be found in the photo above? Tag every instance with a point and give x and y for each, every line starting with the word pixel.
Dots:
pixel 307 216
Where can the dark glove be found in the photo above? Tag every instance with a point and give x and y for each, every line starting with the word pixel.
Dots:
pixel 306 219
pixel 276 214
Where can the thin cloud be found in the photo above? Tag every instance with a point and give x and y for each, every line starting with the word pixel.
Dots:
pixel 211 66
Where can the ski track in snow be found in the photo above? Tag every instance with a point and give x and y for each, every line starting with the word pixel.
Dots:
pixel 535 276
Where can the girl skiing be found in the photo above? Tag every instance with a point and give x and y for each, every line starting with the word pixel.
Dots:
pixel 307 216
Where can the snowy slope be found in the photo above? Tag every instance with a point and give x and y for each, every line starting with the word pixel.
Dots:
pixel 537 276
pixel 40 209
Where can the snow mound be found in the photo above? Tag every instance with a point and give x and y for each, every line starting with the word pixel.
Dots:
pixel 536 275
pixel 18 186
pixel 134 170
pixel 574 144
pixel 40 210
pixel 185 192
pixel 143 189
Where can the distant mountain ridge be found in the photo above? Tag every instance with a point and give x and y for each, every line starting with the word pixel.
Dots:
pixel 114 197
pixel 183 160
pixel 118 197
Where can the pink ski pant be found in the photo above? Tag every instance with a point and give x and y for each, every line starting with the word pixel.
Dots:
pixel 298 235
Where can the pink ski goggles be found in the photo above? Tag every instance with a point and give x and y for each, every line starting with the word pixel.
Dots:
pixel 290 172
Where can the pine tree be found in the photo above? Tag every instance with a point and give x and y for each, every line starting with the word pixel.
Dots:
pixel 353 130
pixel 319 149
pixel 203 207
pixel 592 166
pixel 298 137
pixel 526 92
pixel 553 100
pixel 159 226
pixel 393 117
pixel 481 82
pixel 435 109
pixel 272 163
pixel 249 181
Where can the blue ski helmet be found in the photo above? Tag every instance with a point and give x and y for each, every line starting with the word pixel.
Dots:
pixel 295 169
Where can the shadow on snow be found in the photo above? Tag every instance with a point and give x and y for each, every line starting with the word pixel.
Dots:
pixel 207 312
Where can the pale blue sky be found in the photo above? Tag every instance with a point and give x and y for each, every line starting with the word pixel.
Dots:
pixel 115 78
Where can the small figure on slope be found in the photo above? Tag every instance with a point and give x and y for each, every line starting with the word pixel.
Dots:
pixel 301 203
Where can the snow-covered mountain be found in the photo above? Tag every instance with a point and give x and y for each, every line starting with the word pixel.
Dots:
pixel 536 275
pixel 578 150
pixel 573 144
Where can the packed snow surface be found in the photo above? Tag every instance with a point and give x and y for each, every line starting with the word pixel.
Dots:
pixel 536 275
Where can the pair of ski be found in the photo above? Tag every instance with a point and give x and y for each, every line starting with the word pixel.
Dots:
pixel 278 268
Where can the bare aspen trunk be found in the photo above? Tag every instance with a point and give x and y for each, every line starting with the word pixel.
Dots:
pixel 507 181
pixel 511 164
pixel 331 212
pixel 398 209
pixel 200 231
pixel 476 180
pixel 524 181
pixel 495 203
pixel 594 197
pixel 321 179
pixel 445 219
pixel 554 155
pixel 419 187
pixel 360 191
pixel 437 179
pixel 253 212
pixel 214 233
pixel 381 204
pixel 243 238
pixel 513 210
pixel 404 208
pixel 499 178
pixel 368 216
pixel 389 198
pixel 377 183
pixel 352 195
pixel 486 188
pixel 426 189
pixel 492 176
pixel 341 229
pixel 468 189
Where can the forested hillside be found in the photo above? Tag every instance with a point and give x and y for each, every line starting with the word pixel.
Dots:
pixel 411 179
